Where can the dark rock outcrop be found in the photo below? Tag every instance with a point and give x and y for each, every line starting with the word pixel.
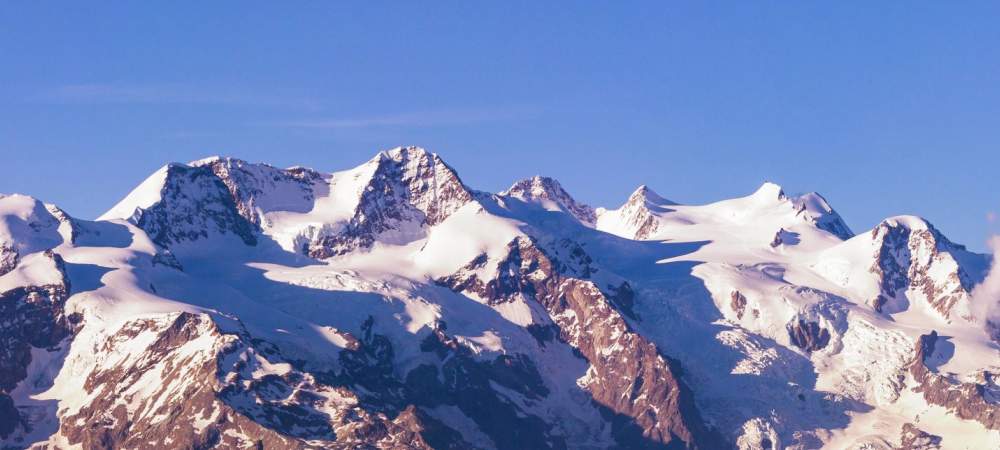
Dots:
pixel 194 202
pixel 637 388
pixel 249 185
pixel 409 188
pixel 32 317
pixel 814 208
pixel 908 250
pixel 639 212
pixel 194 386
pixel 8 258
pixel 467 383
pixel 738 303
pixel 913 438
pixel 808 336
pixel 967 400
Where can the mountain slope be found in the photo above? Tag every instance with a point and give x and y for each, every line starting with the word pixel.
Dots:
pixel 228 304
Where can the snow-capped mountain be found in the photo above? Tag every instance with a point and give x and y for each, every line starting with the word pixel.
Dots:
pixel 550 195
pixel 228 304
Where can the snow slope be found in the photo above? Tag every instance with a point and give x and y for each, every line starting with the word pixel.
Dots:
pixel 231 304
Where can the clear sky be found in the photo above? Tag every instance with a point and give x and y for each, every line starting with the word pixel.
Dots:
pixel 886 108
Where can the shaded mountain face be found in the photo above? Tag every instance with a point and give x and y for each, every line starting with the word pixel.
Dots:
pixel 550 195
pixel 229 304
pixel 915 260
pixel 409 190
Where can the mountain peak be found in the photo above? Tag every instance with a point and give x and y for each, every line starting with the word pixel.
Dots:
pixel 769 192
pixel 406 190
pixel 817 210
pixel 638 218
pixel 411 163
pixel 542 322
pixel 406 153
pixel 537 186
pixel 913 259
pixel 909 225
pixel 644 194
pixel 207 160
pixel 549 193
pixel 913 223
pixel 28 225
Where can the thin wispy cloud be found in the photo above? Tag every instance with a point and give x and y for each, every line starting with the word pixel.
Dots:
pixel 154 94
pixel 413 119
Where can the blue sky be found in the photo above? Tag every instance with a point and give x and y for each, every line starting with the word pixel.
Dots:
pixel 885 109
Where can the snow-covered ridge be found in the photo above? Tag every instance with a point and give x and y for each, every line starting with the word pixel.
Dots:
pixel 392 197
pixel 767 216
pixel 225 303
pixel 550 195
pixel 904 262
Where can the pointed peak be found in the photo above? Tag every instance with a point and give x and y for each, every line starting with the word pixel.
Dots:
pixel 543 180
pixel 646 194
pixel 405 153
pixel 814 208
pixel 535 187
pixel 228 162
pixel 408 156
pixel 550 194
pixel 411 159
pixel 813 201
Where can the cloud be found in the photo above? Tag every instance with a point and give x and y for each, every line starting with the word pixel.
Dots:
pixel 991 217
pixel 413 119
pixel 986 296
pixel 171 94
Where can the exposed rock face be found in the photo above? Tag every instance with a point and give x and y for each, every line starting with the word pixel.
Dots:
pixel 817 211
pixel 837 227
pixel 550 194
pixel 185 384
pixel 968 400
pixel 913 438
pixel 808 336
pixel 257 188
pixel 637 387
pixel 914 260
pixel 638 212
pixel 8 257
pixel 467 383
pixel 164 395
pixel 738 303
pixel 410 189
pixel 777 241
pixel 32 316
pixel 557 336
pixel 193 203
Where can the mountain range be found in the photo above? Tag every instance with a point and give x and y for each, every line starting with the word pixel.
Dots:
pixel 230 304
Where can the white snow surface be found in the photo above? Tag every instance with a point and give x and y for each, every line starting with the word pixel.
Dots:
pixel 749 379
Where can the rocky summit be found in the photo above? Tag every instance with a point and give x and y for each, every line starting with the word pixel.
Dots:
pixel 236 305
